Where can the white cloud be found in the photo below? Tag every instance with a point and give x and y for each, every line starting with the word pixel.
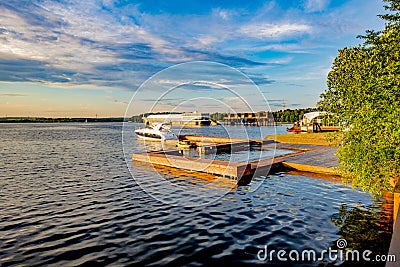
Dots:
pixel 315 5
pixel 206 41
pixel 223 14
pixel 290 48
pixel 59 47
pixel 77 38
pixel 284 60
pixel 111 45
pixel 274 31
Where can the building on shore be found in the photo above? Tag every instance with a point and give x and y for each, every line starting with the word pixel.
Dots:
pixel 182 119
pixel 251 119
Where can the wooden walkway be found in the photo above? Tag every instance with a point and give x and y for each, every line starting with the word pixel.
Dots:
pixel 309 158
pixel 172 158
pixel 322 157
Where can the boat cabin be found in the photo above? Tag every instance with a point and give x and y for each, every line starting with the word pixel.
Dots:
pixel 317 121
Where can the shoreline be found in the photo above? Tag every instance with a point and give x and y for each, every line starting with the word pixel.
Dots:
pixel 317 139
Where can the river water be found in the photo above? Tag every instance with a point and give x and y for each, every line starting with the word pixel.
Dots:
pixel 68 198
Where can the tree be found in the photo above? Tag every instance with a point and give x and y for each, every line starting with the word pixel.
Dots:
pixel 290 115
pixel 364 91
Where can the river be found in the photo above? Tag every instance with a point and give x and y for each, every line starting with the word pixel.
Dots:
pixel 68 197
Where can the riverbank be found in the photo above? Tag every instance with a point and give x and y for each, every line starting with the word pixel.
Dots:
pixel 317 139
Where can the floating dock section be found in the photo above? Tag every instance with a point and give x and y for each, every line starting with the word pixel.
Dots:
pixel 317 159
pixel 172 158
pixel 310 158
pixel 213 144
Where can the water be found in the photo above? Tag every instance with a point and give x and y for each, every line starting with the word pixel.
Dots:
pixel 68 198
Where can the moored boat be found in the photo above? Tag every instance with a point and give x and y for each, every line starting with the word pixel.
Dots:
pixel 293 130
pixel 315 122
pixel 157 132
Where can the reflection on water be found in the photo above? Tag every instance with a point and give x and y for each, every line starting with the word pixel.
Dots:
pixel 68 199
pixel 186 183
pixel 365 223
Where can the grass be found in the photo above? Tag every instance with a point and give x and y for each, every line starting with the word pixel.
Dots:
pixel 321 139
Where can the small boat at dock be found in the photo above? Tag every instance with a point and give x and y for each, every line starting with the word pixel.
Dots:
pixel 157 132
pixel 293 129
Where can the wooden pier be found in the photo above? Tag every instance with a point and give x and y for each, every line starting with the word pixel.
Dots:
pixel 173 158
pixel 309 158
pixel 213 144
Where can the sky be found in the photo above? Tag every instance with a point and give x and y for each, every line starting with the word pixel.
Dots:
pixel 73 58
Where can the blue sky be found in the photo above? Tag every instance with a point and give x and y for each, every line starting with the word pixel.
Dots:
pixel 70 58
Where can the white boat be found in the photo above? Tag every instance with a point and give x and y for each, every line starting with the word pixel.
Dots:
pixel 157 132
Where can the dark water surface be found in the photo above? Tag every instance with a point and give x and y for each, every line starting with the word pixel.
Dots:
pixel 67 198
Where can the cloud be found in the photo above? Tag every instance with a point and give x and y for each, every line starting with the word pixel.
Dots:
pixel 231 60
pixel 296 48
pixel 234 99
pixel 275 100
pixel 295 105
pixel 12 95
pixel 296 85
pixel 275 105
pixel 109 43
pixel 120 102
pixel 315 5
pixel 28 70
pixel 259 80
pixel 73 39
pixel 82 43
pixel 39 35
pixel 274 31
pixel 223 14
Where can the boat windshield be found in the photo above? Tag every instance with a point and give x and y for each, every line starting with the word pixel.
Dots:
pixel 161 126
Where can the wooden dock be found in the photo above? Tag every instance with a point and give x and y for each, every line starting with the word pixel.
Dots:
pixel 309 158
pixel 213 144
pixel 173 158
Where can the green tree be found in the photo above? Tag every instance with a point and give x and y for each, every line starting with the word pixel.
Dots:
pixel 292 117
pixel 301 114
pixel 364 91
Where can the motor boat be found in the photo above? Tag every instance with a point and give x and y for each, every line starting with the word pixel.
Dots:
pixel 157 132
pixel 294 130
